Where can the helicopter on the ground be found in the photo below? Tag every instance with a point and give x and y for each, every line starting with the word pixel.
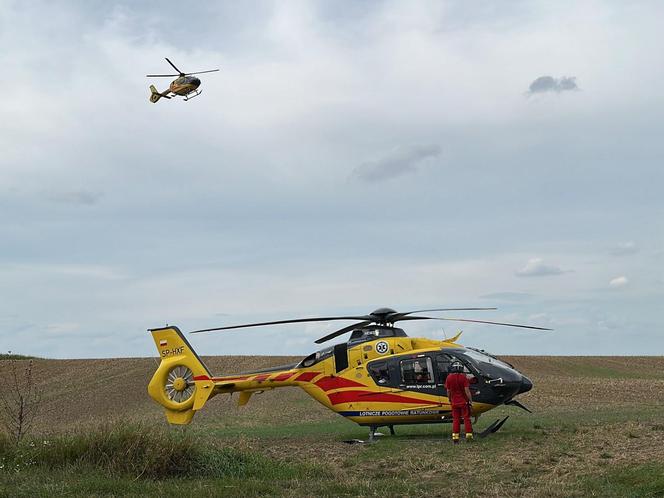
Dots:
pixel 379 377
pixel 185 85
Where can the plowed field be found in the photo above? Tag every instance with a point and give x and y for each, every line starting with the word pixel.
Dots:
pixel 88 391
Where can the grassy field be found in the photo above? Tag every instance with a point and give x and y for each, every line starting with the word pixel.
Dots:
pixel 596 430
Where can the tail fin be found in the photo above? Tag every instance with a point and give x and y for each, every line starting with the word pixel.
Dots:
pixel 155 95
pixel 182 382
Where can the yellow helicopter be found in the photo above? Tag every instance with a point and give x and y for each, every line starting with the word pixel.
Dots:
pixel 185 85
pixel 379 377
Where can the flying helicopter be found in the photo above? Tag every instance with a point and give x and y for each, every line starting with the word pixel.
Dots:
pixel 185 85
pixel 379 377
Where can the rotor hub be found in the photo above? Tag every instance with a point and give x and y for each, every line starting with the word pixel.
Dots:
pixel 383 316
pixel 179 384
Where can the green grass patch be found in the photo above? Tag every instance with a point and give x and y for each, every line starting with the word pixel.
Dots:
pixel 141 460
pixel 336 428
pixel 142 451
pixel 65 484
pixel 646 480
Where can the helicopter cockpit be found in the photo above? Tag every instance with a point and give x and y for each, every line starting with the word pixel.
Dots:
pixel 487 365
pixel 501 376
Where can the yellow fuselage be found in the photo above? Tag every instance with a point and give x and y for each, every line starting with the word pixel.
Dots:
pixel 352 392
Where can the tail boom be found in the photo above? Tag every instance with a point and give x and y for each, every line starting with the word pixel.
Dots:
pixel 155 95
pixel 183 384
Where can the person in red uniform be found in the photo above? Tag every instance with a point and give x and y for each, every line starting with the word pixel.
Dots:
pixel 458 392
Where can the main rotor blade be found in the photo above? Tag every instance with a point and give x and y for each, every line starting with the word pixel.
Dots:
pixel 281 322
pixel 167 60
pixel 342 331
pixel 399 316
pixel 474 321
pixel 201 72
pixel 161 75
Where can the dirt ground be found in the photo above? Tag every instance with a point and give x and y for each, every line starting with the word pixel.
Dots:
pixel 593 418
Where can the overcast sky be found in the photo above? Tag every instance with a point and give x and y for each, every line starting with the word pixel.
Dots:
pixel 348 156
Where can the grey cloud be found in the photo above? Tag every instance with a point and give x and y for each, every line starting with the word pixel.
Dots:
pixel 545 84
pixel 399 162
pixel 624 249
pixel 535 267
pixel 618 282
pixel 80 197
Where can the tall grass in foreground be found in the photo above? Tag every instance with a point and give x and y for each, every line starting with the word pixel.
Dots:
pixel 142 451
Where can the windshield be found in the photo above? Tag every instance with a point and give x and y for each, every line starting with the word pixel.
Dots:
pixel 483 358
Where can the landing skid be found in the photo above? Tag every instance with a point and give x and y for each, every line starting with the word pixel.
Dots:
pixel 493 427
pixel 190 96
pixel 514 402
pixel 373 434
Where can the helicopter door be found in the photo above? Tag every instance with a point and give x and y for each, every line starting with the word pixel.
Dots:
pixel 443 362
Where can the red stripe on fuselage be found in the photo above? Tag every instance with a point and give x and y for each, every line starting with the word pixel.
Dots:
pixel 329 383
pixel 283 376
pixel 307 376
pixel 368 396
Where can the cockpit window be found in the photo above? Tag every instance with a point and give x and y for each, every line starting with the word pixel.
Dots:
pixel 379 372
pixel 443 362
pixel 417 371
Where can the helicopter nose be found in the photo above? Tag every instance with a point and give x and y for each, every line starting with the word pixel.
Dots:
pixel 526 385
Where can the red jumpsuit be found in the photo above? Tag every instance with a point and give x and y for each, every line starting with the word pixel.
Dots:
pixel 456 384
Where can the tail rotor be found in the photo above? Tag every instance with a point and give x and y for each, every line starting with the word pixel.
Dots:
pixel 182 383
